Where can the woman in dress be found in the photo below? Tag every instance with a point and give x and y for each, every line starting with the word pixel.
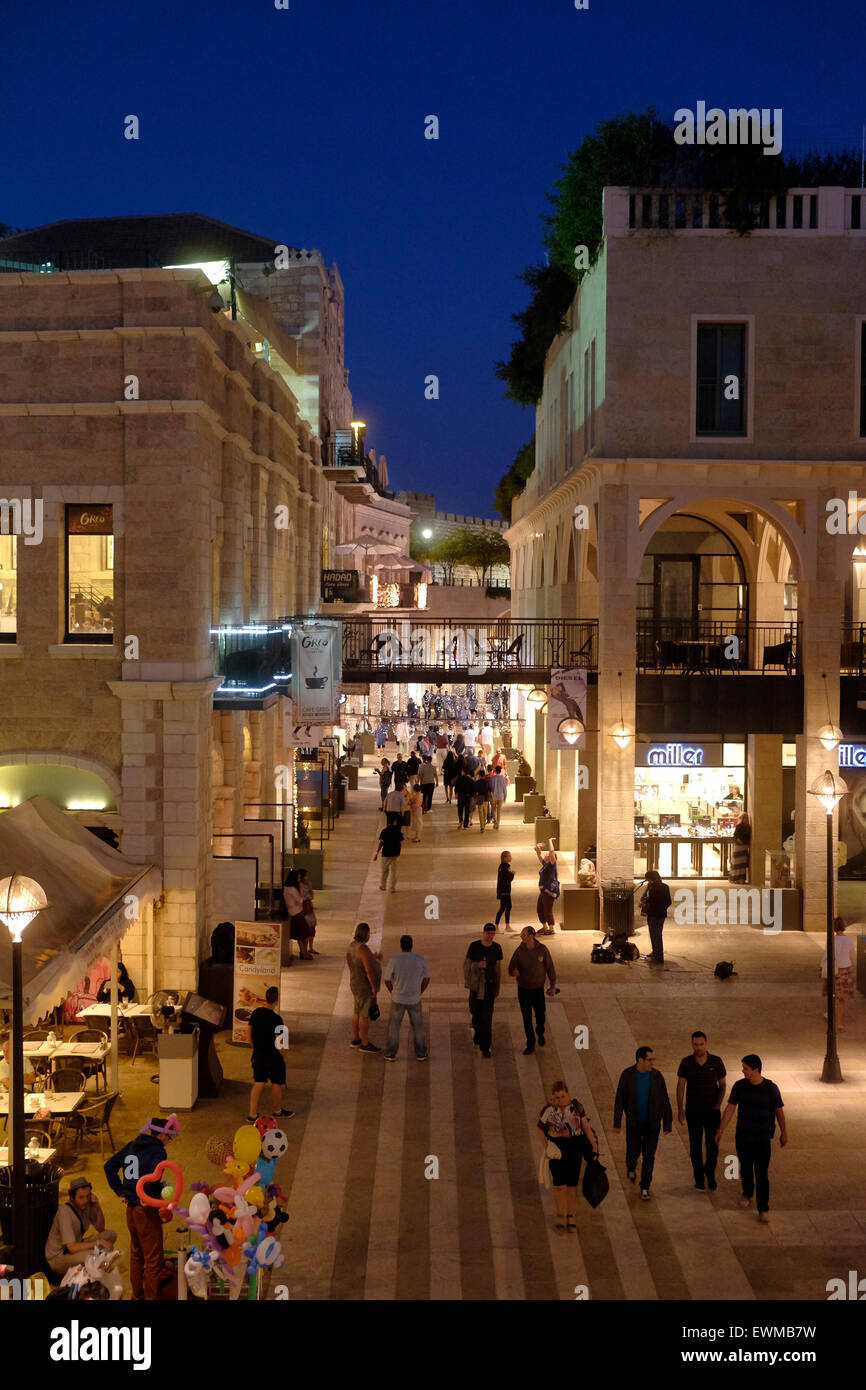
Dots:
pixel 844 955
pixel 299 927
pixel 740 852
pixel 564 1125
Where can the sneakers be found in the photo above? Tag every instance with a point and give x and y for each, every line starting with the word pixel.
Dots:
pixel 632 1177
pixel 356 1042
pixel 644 1194
pixel 370 1047
pixel 283 1114
pixel 389 1057
pixel 527 1051
pixel 699 1187
pixel 540 1041
pixel 423 1057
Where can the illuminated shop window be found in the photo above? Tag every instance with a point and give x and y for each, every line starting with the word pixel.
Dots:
pixel 89 573
pixel 734 755
pixel 789 755
pixel 8 588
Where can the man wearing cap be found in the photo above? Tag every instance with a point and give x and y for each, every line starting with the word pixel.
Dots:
pixel 66 1245
pixel 150 1276
pixel 530 965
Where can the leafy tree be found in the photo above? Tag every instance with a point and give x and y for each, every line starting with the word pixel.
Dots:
pixel 539 323
pixel 481 550
pixel 512 483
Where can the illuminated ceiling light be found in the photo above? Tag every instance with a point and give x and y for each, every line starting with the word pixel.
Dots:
pixel 536 697
pixel 830 735
pixel 85 805
pixel 523 689
pixel 21 898
pixel 570 729
pixel 621 733
pixel 829 790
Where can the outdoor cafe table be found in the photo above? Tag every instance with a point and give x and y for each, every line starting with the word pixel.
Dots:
pixel 123 1011
pixel 62 1104
pixel 41 1156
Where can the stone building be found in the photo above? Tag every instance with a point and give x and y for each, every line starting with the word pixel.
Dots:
pixel 703 419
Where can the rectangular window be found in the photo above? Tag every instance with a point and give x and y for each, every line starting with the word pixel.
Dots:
pixel 89 573
pixel 8 588
pixel 721 379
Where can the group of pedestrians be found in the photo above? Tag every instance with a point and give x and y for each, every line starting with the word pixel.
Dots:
pixel 479 785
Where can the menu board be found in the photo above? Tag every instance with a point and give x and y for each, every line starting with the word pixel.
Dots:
pixel 257 967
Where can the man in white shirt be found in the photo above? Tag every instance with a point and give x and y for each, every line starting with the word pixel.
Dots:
pixel 396 802
pixel 406 978
pixel 498 791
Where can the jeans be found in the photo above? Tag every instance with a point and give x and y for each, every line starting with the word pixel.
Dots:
pixel 703 1125
pixel 655 925
pixel 389 869
pixel 755 1171
pixel 464 810
pixel 395 1022
pixel 504 906
pixel 640 1141
pixel 427 789
pixel 530 999
pixel 482 1017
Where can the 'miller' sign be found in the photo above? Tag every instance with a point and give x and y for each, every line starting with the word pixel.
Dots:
pixel 674 755
pixel 852 755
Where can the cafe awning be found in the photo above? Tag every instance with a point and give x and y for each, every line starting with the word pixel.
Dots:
pixel 87 884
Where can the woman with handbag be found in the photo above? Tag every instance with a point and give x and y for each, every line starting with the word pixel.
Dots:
pixel 567 1136
pixel 299 927
pixel 365 977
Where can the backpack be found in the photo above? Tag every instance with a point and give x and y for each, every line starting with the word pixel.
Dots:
pixel 724 970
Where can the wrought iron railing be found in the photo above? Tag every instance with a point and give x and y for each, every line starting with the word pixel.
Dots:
pixel 715 646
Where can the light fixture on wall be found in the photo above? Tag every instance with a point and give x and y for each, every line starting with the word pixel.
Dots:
pixel 536 697
pixel 829 734
pixel 621 733
pixel 523 689
pixel 570 729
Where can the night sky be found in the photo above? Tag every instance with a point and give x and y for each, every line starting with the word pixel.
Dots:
pixel 307 125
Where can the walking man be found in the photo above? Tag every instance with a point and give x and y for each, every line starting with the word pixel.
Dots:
pixel 268 1059
pixel 481 793
pixel 390 840
pixel 406 978
pixel 758 1103
pixel 482 975
pixel 643 1095
pixel 429 779
pixel 396 802
pixel 701 1083
pixel 498 791
pixel 150 1276
pixel 464 788
pixel 530 965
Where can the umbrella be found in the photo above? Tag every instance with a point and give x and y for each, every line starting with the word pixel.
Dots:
pixel 401 562
pixel 367 544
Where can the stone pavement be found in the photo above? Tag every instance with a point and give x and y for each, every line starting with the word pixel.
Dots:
pixel 366 1220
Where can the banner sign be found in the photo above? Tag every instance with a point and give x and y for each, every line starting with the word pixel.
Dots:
pixel 89 519
pixel 678 754
pixel 566 699
pixel 315 673
pixel 340 584
pixel 257 967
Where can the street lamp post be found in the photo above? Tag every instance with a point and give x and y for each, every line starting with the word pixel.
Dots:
pixel 829 790
pixel 21 899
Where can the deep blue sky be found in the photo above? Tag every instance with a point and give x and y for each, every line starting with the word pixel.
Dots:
pixel 306 125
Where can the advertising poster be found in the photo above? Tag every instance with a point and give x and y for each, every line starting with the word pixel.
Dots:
pixel 312 787
pixel 257 967
pixel 315 674
pixel 566 700
pixel 852 814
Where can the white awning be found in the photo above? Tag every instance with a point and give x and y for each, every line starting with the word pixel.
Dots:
pixel 86 883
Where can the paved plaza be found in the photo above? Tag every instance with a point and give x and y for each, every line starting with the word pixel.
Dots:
pixel 366 1220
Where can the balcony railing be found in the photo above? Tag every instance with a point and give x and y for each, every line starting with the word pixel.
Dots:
pixel 853 656
pixel 451 649
pixel 717 646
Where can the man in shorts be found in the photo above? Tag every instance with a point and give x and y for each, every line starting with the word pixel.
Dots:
pixel 269 1063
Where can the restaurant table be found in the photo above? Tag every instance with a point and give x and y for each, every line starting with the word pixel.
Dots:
pixel 41 1156
pixel 62 1104
pixel 123 1011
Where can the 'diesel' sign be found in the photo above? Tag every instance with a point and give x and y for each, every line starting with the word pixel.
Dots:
pixel 315 673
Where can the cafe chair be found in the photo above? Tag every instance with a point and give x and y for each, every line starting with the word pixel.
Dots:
pixel 513 652
pixel 92 1119
pixel 66 1079
pixel 779 654
pixel 38 1034
pixel 144 1034
pixel 92 1066
pixel 36 1132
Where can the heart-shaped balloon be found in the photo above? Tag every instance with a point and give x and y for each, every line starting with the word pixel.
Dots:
pixel 167 1165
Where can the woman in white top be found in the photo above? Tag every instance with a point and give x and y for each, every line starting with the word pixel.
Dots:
pixel 844 953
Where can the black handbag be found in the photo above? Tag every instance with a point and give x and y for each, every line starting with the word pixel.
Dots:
pixel 595 1182
pixel 374 1012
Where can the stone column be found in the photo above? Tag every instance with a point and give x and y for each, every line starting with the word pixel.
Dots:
pixel 539 736
pixel 764 798
pixel 587 797
pixel 567 805
pixel 616 644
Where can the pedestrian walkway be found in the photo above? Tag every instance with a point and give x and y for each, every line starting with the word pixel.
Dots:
pixel 420 1182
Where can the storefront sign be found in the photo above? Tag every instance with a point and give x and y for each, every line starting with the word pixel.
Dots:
pixel 315 673
pixel 90 519
pixel 675 755
pixel 852 754
pixel 339 584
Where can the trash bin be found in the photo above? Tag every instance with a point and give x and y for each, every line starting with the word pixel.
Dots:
pixel 42 1183
pixel 618 907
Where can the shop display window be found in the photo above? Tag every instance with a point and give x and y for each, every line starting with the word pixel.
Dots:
pixel 8 588
pixel 89 573
pixel 685 816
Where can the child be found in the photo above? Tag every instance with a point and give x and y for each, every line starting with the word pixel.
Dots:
pixel 503 889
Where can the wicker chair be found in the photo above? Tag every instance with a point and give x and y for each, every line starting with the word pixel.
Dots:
pixel 92 1119
pixel 91 1066
pixel 66 1079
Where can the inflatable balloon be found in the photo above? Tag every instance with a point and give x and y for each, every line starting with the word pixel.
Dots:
pixel 167 1165
pixel 247 1144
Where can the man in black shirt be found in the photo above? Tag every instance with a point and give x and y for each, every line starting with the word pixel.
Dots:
pixel 464 786
pixel 481 971
pixel 759 1106
pixel 701 1082
pixel 390 840
pixel 269 1065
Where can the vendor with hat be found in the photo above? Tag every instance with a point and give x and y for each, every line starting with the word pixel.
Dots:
pixel 149 1274
pixel 68 1243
